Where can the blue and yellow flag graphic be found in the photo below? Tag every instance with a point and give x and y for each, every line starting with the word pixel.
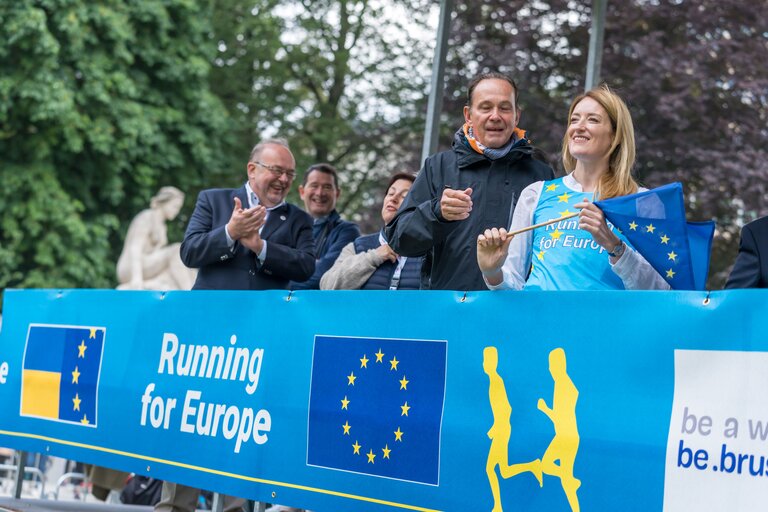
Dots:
pixel 61 373
pixel 654 223
pixel 376 407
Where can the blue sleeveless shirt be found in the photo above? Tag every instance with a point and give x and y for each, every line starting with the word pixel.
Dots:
pixel 564 257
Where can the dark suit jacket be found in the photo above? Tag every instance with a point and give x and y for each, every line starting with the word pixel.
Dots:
pixel 751 267
pixel 290 248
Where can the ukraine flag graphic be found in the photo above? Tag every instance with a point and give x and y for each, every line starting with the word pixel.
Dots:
pixel 61 373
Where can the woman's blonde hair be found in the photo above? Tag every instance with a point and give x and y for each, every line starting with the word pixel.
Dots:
pixel 618 181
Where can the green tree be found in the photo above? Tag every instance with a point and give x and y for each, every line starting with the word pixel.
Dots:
pixel 343 80
pixel 100 105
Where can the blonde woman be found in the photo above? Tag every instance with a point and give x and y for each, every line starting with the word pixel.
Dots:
pixel 585 252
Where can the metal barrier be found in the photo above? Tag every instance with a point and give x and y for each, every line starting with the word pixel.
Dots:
pixel 66 477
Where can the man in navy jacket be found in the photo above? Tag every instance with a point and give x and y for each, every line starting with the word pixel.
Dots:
pixel 751 267
pixel 249 238
pixel 320 190
pixel 246 238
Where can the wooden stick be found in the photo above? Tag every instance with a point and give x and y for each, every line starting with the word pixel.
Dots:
pixel 541 224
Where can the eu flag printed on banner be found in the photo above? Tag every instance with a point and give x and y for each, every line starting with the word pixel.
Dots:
pixel 60 374
pixel 654 223
pixel 376 407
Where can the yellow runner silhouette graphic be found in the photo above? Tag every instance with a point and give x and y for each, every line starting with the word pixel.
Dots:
pixel 500 432
pixel 564 444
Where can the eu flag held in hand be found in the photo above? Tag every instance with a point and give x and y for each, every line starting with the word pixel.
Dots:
pixel 654 223
pixel 61 373
pixel 376 407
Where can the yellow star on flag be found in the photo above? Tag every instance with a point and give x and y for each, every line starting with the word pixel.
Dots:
pixel 650 228
pixel 556 234
pixel 371 456
pixel 351 378
pixel 405 407
pixel 346 426
pixel 356 447
pixel 399 435
pixel 404 383
pixel 76 401
pixel 565 213
pixel 386 451
pixel 344 403
pixel 393 363
pixel 633 226
pixel 75 376
pixel 540 255
pixel 664 239
pixel 81 349
pixel 552 187
pixel 670 273
pixel 93 333
pixel 564 197
pixel 672 256
pixel 364 362
pixel 85 421
pixel 379 356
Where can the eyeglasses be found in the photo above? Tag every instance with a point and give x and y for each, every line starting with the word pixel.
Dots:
pixel 278 171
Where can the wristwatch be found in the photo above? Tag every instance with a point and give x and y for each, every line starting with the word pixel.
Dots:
pixel 618 250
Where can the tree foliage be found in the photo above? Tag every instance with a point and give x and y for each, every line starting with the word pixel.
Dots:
pixel 341 79
pixel 101 103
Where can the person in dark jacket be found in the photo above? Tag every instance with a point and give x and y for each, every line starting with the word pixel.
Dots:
pixel 249 238
pixel 475 185
pixel 369 263
pixel 320 190
pixel 751 267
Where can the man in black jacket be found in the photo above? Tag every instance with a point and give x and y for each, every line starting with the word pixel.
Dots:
pixel 474 186
pixel 751 267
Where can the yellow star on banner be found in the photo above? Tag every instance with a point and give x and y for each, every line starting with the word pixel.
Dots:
pixel 364 362
pixel 93 333
pixel 552 187
pixel 76 401
pixel 85 421
pixel 556 234
pixel 670 273
pixel 404 383
pixel 379 356
pixel 540 255
pixel 344 403
pixel 650 228
pixel 75 376
pixel 356 447
pixel 405 407
pixel 564 197
pixel 393 363
pixel 633 226
pixel 346 426
pixel 664 239
pixel 371 456
pixel 351 378
pixel 565 213
pixel 386 451
pixel 81 349
pixel 672 256
pixel 399 435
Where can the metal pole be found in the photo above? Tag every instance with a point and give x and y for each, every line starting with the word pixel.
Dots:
pixel 434 107
pixel 595 58
pixel 19 473
pixel 218 503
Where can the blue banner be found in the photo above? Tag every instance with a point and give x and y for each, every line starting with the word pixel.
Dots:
pixel 348 401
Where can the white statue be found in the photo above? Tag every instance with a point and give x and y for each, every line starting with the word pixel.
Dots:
pixel 147 261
